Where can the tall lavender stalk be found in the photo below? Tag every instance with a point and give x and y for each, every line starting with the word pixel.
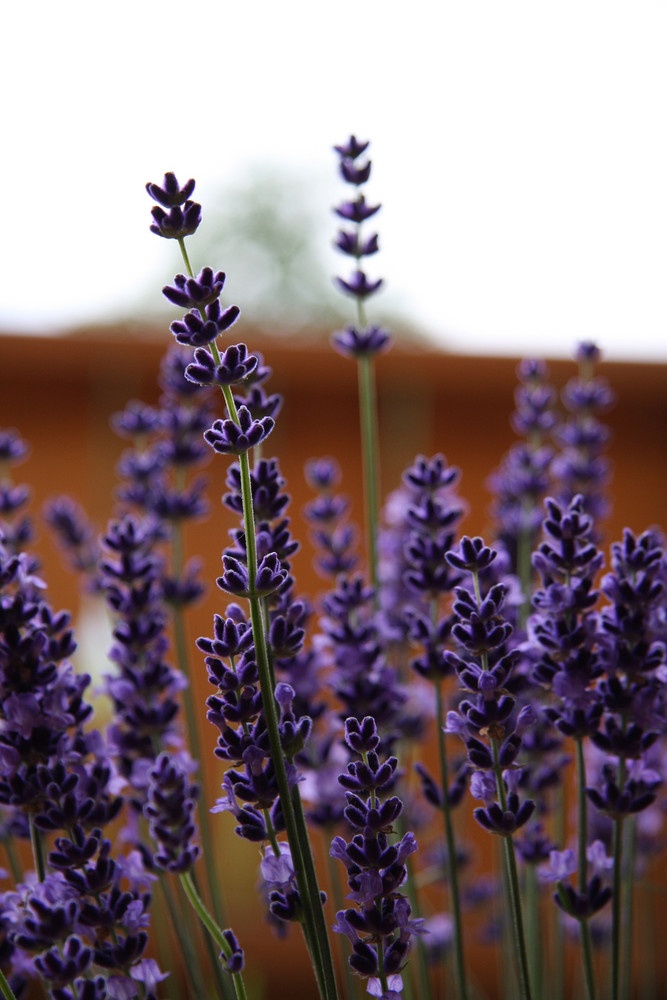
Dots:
pixel 633 711
pixel 432 516
pixel 484 667
pixel 362 341
pixel 562 630
pixel 253 577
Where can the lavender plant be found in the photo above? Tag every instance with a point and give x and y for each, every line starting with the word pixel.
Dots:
pixel 432 671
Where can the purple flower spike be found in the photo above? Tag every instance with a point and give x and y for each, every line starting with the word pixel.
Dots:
pixel 12 447
pixel 193 293
pixel 379 927
pixel 178 222
pixel 229 438
pixel 169 809
pixel 356 211
pixel 362 737
pixel 135 419
pixel 587 350
pixel 235 961
pixel 473 555
pixel 355 173
pixel 170 194
pixel 322 473
pixel 235 580
pixel 505 822
pixel 235 365
pixel 359 285
pixel 361 344
pixel 583 905
pixel 351 244
pixel 195 331
pixel 351 149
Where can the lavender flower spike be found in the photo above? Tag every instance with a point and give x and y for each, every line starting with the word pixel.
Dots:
pixel 228 437
pixel 183 216
pixel 169 809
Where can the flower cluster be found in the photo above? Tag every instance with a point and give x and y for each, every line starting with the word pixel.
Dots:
pixel 521 482
pixel 361 340
pixel 484 667
pixel 379 926
pixel 80 910
pixel 542 667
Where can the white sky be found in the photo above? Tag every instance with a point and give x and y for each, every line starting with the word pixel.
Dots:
pixel 518 147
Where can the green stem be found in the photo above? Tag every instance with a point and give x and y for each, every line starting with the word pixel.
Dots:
pixel 37 849
pixel 558 935
pixel 382 976
pixel 315 930
pixel 7 992
pixel 616 909
pixel 452 871
pixel 586 943
pixel 370 460
pixel 352 984
pixel 321 936
pixel 513 887
pixel 272 669
pixel 183 931
pixel 424 986
pixel 630 850
pixel 186 259
pixel 211 926
pixel 271 833
pixel 524 568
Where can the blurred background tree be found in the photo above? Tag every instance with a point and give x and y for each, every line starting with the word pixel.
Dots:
pixel 271 233
pixel 267 231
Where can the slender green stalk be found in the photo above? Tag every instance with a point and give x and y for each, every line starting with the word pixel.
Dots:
pixel 272 669
pixel 558 934
pixel 524 566
pixel 271 833
pixel 370 460
pixel 211 926
pixel 162 925
pixel 382 975
pixel 585 931
pixel 183 931
pixel 630 850
pixel 513 888
pixel 517 919
pixel 314 926
pixel 315 929
pixel 352 984
pixel 616 909
pixel 321 946
pixel 452 871
pixel 421 974
pixel 7 992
